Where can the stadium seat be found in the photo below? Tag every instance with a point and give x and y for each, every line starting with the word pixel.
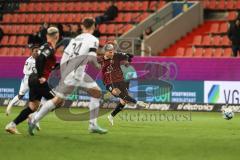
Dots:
pixel 232 16
pixel 216 40
pixel 4 51
pixel 225 41
pixel 102 28
pixel 218 52
pixel 221 5
pixel 5 40
pixel 197 41
pixel 180 52
pixel 231 4
pixel 143 6
pixel 111 29
pixel 161 4
pixel 227 52
pixel 208 52
pixel 12 40
pixel 212 4
pixel 153 5
pixel 189 52
pixel 238 4
pixel 223 28
pixel 214 28
pixel 198 52
pixel 206 40
pixel 23 7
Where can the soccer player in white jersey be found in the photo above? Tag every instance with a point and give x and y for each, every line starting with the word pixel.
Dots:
pixel 29 68
pixel 80 51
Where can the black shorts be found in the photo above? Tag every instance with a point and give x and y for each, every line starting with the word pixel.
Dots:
pixel 37 90
pixel 122 86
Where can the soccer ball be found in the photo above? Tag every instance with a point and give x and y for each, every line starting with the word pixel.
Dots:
pixel 228 113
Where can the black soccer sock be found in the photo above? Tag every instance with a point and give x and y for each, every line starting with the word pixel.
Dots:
pixel 117 109
pixel 23 115
pixel 128 98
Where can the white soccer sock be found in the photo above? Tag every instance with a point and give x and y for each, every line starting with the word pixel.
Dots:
pixel 44 110
pixel 13 101
pixel 94 109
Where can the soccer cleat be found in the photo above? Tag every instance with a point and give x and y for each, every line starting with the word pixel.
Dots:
pixel 110 119
pixel 97 129
pixel 141 104
pixel 31 128
pixel 38 128
pixel 11 128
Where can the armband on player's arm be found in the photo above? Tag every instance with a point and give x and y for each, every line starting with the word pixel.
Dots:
pixel 40 63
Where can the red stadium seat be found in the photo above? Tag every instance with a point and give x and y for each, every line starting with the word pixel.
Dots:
pixel 55 7
pixel 4 51
pixel 218 52
pixel 188 52
pixel 225 41
pixel 237 4
pixel 208 52
pixel 7 17
pixel 216 40
pixel 12 40
pixel 153 5
pixel 207 40
pixel 227 52
pixel 212 4
pixel 23 7
pixel 5 40
pixel 180 52
pixel 231 4
pixel 221 4
pixel 31 7
pixel 111 29
pixel 198 52
pixel 61 6
pixel 102 28
pixel 143 6
pixel 39 7
pixel 232 16
pixel 223 28
pixel 197 41
pixel 161 4
pixel 128 17
pixel 214 28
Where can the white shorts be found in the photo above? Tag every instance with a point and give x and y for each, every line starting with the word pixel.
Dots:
pixel 70 82
pixel 23 87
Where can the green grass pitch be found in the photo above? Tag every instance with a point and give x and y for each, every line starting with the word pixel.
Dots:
pixel 201 136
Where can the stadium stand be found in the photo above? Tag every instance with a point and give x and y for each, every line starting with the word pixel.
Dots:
pixel 209 39
pixel 26 17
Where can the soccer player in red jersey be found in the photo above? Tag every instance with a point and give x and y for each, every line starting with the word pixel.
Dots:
pixel 38 85
pixel 113 78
